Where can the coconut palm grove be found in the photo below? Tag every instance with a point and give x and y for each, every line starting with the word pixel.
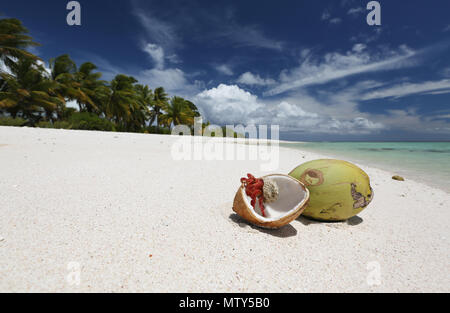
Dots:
pixel 36 96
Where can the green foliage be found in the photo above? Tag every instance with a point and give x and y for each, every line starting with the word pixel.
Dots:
pixel 66 113
pixel 160 99
pixel 55 125
pixel 28 92
pixel 14 41
pixel 90 121
pixel 178 111
pixel 159 130
pixel 9 121
pixel 62 125
pixel 44 124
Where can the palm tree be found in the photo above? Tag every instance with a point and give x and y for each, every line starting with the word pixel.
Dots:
pixel 90 84
pixel 14 41
pixel 193 108
pixel 145 100
pixel 160 99
pixel 28 91
pixel 122 100
pixel 69 85
pixel 178 112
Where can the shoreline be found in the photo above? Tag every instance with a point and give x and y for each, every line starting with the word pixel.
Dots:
pixel 409 173
pixel 133 219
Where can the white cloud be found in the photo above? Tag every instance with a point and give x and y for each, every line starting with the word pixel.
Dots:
pixel 445 116
pixel 438 92
pixel 173 58
pixel 335 20
pixel 72 104
pixel 47 69
pixel 168 31
pixel 406 89
pixel 157 30
pixel 359 47
pixel 447 28
pixel 336 65
pixel 409 120
pixel 250 79
pixel 229 104
pixel 339 112
pixel 156 53
pixel 173 79
pixel 355 11
pixel 325 15
pixel 224 69
pixel 4 68
pixel 249 36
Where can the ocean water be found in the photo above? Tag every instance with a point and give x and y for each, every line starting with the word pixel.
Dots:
pixel 426 162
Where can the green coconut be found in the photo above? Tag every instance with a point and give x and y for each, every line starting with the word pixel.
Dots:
pixel 338 189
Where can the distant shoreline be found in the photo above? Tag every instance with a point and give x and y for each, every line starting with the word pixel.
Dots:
pixel 414 160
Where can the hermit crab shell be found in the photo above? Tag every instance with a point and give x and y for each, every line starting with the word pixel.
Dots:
pixel 292 200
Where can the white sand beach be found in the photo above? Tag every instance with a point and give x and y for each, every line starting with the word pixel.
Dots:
pixel 135 220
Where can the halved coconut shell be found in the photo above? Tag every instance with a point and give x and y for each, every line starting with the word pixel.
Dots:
pixel 292 201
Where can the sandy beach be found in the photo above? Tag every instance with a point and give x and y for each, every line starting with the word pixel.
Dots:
pixel 117 209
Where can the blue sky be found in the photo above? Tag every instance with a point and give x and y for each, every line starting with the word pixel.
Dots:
pixel 316 68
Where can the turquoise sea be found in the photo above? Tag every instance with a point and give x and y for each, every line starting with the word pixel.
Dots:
pixel 427 162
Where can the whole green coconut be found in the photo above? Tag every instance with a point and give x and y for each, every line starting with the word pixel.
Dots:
pixel 338 189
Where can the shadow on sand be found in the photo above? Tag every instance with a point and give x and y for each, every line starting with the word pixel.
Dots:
pixel 284 232
pixel 354 221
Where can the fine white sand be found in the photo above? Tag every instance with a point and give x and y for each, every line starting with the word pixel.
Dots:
pixel 134 219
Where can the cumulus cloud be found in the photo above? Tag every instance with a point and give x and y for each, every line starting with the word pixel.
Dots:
pixel 229 104
pixel 250 79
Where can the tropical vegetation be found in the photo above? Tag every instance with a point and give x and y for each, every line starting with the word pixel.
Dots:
pixel 36 96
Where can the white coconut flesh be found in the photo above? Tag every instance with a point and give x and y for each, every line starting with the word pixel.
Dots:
pixel 291 196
